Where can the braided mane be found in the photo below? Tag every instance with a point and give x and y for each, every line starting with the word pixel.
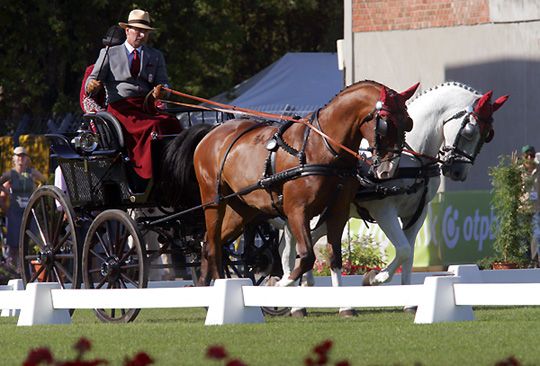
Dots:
pixel 445 84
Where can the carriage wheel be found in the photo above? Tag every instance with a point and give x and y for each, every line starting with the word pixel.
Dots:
pixel 114 257
pixel 48 249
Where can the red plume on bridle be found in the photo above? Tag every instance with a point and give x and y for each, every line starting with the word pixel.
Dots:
pixel 394 102
pixel 484 109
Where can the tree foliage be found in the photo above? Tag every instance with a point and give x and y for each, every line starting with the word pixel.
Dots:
pixel 209 45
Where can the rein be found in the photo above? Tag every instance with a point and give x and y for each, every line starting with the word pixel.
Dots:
pixel 251 112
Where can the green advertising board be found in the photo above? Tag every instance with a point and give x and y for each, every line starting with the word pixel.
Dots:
pixel 457 230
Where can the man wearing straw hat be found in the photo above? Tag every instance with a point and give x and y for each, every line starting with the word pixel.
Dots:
pixel 130 72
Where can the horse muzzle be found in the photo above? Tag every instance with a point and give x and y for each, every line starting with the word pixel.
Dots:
pixel 386 169
pixel 457 170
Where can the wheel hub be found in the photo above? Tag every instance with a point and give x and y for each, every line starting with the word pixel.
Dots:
pixel 110 268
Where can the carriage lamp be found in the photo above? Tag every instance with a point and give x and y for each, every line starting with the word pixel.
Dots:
pixel 378 105
pixel 85 142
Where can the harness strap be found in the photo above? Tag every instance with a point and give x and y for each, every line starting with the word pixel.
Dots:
pixel 218 188
pixel 419 208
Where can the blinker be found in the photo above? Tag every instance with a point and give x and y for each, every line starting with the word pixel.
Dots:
pixel 468 131
pixel 382 127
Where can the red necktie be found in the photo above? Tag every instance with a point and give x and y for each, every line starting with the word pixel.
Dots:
pixel 135 64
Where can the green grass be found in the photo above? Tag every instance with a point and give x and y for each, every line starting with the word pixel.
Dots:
pixel 375 337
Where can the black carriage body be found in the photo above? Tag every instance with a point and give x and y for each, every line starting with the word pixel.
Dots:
pixel 96 181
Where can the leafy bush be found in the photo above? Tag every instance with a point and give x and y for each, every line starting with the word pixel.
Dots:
pixel 359 256
pixel 512 210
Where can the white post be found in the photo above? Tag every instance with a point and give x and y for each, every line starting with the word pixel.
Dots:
pixel 38 307
pixel 438 303
pixel 228 306
pixel 15 285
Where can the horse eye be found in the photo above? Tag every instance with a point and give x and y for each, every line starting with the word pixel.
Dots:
pixel 489 136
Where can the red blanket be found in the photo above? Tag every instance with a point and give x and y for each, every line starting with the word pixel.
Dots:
pixel 139 127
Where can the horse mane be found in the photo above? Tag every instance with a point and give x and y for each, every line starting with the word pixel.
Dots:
pixel 443 85
pixel 178 183
pixel 351 88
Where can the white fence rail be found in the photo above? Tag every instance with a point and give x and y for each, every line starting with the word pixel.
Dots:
pixel 440 297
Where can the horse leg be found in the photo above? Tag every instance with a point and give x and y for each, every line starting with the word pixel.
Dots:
pixel 289 256
pixel 411 233
pixel 299 226
pixel 388 221
pixel 211 249
pixel 335 225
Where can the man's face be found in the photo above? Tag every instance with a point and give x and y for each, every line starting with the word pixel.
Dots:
pixel 136 36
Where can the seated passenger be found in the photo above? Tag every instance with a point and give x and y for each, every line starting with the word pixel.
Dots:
pixel 130 72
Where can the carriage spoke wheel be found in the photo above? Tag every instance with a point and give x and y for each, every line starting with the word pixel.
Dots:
pixel 48 249
pixel 114 258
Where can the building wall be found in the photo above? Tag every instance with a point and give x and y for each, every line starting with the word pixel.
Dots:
pixel 487 44
pixel 386 15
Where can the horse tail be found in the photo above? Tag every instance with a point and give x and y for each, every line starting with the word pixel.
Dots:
pixel 179 185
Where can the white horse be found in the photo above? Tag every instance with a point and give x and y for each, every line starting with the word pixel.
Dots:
pixel 452 120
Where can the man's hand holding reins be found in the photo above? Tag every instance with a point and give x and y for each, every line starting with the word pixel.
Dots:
pixel 93 86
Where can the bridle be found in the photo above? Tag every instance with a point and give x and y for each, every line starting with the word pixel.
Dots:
pixel 453 153
pixel 382 114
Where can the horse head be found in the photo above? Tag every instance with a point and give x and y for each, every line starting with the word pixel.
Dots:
pixel 475 129
pixel 391 122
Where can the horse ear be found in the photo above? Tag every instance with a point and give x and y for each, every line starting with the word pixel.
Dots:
pixel 409 92
pixel 483 100
pixel 499 102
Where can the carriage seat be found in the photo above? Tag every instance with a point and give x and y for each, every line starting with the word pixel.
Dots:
pixel 109 130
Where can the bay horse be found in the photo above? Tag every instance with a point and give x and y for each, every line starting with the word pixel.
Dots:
pixel 249 171
pixel 451 120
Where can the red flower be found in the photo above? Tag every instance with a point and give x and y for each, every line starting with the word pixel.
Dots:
pixel 37 356
pixel 510 361
pixel 323 348
pixel 343 363
pixel 83 345
pixel 309 362
pixel 95 362
pixel 217 352
pixel 140 359
pixel 235 362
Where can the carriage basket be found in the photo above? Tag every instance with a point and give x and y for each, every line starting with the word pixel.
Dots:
pixel 95 181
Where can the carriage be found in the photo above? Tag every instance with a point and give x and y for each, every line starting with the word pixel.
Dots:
pixel 95 233
pixel 297 170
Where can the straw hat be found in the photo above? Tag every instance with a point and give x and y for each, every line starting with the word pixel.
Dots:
pixel 137 18
pixel 19 150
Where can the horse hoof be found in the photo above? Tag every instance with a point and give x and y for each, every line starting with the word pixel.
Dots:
pixel 410 309
pixel 349 313
pixel 299 313
pixel 369 277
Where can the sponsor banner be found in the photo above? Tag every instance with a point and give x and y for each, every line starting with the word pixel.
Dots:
pixel 457 230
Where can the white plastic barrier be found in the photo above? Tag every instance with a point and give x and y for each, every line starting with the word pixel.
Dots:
pixel 7 291
pixel 443 298
pixel 47 303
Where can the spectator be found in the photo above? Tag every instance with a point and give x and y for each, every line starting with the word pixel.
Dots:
pixel 532 181
pixel 18 183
